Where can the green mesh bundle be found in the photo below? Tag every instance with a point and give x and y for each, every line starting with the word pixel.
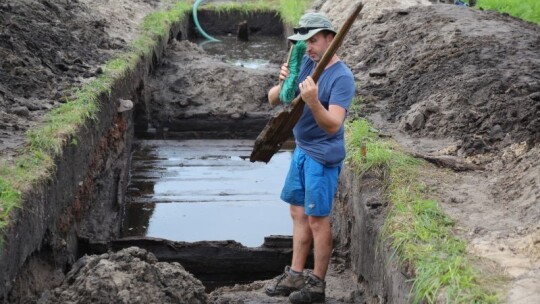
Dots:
pixel 288 87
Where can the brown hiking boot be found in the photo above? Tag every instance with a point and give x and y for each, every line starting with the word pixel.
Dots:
pixel 313 291
pixel 285 283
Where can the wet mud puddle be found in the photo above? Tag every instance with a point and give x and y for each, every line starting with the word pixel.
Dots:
pixel 194 190
pixel 255 53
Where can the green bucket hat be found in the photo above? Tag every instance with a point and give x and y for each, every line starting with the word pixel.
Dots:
pixel 309 25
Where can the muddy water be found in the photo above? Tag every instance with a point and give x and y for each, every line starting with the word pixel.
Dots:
pixel 193 190
pixel 255 53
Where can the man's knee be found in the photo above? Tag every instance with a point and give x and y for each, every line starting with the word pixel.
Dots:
pixel 298 214
pixel 319 223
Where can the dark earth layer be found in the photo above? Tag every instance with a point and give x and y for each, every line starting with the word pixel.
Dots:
pixel 46 48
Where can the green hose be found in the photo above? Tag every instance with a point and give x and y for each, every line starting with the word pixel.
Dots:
pixel 198 26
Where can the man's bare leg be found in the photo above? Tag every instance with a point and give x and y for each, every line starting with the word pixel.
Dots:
pixel 322 237
pixel 302 238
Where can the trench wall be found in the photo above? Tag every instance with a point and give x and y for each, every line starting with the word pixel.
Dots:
pixel 260 23
pixel 357 220
pixel 83 197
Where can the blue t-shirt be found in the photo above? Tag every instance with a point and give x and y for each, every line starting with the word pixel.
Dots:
pixel 336 87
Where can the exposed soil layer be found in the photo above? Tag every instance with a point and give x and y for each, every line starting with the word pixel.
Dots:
pixel 193 91
pixel 46 47
pixel 448 71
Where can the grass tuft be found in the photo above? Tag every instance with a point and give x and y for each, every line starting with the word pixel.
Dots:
pixel 291 11
pixel 417 229
pixel 246 8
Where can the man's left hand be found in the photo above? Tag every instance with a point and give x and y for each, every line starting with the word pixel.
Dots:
pixel 309 91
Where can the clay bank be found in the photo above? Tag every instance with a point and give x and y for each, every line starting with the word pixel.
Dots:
pixel 107 182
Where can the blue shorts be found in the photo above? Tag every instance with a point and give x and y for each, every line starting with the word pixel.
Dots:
pixel 310 184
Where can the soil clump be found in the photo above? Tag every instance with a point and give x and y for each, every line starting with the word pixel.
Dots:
pixel 131 275
pixel 457 73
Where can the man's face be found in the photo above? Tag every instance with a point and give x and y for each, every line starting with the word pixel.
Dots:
pixel 317 45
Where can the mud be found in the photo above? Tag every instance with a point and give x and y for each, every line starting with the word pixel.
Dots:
pixel 131 275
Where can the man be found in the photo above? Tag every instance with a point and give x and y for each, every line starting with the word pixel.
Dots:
pixel 320 149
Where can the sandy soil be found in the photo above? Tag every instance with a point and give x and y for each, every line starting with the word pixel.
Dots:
pixel 440 79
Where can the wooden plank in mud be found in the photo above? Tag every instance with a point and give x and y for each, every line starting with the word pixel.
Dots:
pixel 211 258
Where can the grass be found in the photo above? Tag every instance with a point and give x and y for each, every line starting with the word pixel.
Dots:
pixel 243 7
pixel 416 227
pixel 524 9
pixel 289 10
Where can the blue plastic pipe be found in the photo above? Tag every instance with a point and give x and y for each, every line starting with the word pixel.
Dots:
pixel 198 26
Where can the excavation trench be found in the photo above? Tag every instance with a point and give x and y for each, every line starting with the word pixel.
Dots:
pixel 172 175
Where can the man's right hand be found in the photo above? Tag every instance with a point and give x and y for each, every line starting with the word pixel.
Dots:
pixel 273 94
pixel 284 72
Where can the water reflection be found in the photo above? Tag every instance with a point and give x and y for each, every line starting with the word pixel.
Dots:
pixel 194 190
pixel 255 53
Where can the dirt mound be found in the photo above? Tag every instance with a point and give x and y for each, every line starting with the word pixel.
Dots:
pixel 129 276
pixel 46 47
pixel 448 71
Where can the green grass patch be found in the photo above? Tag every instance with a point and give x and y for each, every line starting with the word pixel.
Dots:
pixel 246 8
pixel 524 9
pixel 291 11
pixel 416 227
pixel 10 199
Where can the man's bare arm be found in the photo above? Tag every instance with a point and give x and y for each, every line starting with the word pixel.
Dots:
pixel 273 94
